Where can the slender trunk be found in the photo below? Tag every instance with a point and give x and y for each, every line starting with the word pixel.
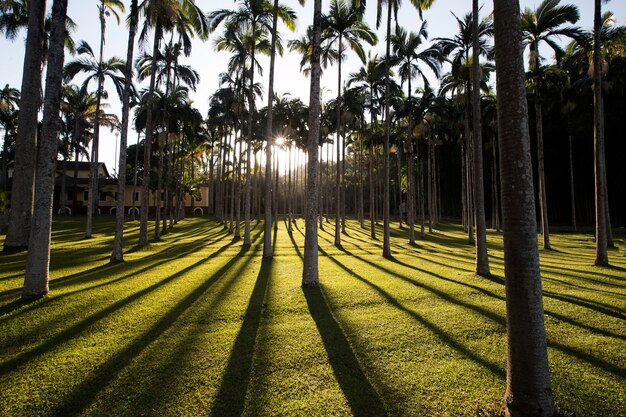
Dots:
pixel 465 216
pixel 482 259
pixel 38 258
pixel 602 257
pixel 386 236
pixel 468 171
pixel 310 275
pixel 372 194
pixel 338 179
pixel 237 190
pixel 145 186
pixel 18 231
pixel 528 391
pixel 609 231
pixel 117 254
pixel 63 196
pixel 361 186
pixel 430 186
pixel 399 187
pixel 410 175
pixel 543 205
pixel 94 196
pixel 571 174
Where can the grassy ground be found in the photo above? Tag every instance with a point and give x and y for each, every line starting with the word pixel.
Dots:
pixel 194 325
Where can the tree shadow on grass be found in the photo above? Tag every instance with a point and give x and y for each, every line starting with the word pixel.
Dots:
pixel 361 396
pixel 231 396
pixel 75 330
pixel 87 391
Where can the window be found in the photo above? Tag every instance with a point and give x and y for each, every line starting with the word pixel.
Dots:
pixel 136 196
pixel 86 195
pixel 103 196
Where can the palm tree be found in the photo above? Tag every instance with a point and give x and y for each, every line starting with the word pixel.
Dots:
pixel 482 259
pixel 528 391
pixel 407 57
pixel 95 70
pixel 162 16
pixel 458 49
pixel 344 23
pixel 372 80
pixel 395 6
pixel 546 24
pixel 310 272
pixel 38 259
pixel 117 254
pixel 602 257
pixel 260 18
pixel 26 142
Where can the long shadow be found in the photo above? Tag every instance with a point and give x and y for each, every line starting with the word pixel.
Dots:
pixel 81 397
pixel 362 397
pixel 66 281
pixel 230 399
pixel 436 330
pixel 503 298
pixel 84 324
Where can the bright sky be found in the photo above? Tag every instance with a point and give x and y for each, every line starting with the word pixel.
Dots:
pixel 288 78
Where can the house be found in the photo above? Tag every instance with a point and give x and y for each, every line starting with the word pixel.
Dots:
pixel 73 178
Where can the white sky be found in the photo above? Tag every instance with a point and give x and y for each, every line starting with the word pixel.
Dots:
pixel 210 63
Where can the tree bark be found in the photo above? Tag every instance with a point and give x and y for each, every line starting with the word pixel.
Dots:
pixel 38 259
pixel 482 259
pixel 145 186
pixel 18 232
pixel 386 234
pixel 602 257
pixel 528 391
pixel 310 274
pixel 338 178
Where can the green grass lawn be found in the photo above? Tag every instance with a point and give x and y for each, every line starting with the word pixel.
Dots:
pixel 194 325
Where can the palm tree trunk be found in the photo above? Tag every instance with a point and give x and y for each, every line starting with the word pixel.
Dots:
pixel 386 235
pixel 372 194
pixel 117 254
pixel 94 196
pixel 18 232
pixel 237 180
pixel 465 219
pixel 63 196
pixel 338 180
pixel 482 259
pixel 571 174
pixel 310 274
pixel 145 186
pixel 528 391
pixel 38 259
pixel 543 205
pixel 602 257
pixel 361 186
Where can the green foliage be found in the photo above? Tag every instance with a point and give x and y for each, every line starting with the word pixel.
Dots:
pixel 195 325
pixel 5 199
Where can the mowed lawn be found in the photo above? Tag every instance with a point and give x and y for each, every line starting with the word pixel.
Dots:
pixel 194 325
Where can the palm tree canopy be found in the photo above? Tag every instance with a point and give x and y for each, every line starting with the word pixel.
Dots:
pixel 547 24
pixel 343 22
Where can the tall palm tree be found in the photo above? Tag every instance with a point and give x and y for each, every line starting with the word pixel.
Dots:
pixel 258 16
pixel 407 56
pixel 528 391
pixel 344 23
pixel 371 78
pixel 117 254
pixel 26 142
pixel 459 50
pixel 602 257
pixel 310 272
pixel 546 24
pixel 95 70
pixel 38 259
pixel 482 259
pixel 162 16
pixel 392 5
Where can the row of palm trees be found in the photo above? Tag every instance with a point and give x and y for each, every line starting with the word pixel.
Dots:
pixel 252 29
